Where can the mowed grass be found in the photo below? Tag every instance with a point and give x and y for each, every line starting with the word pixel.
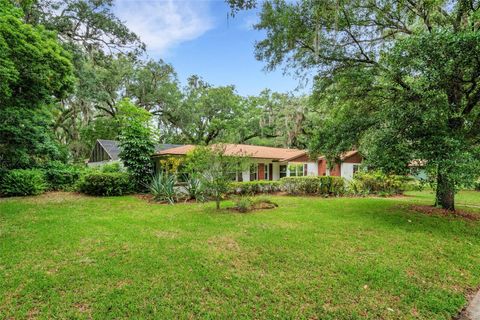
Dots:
pixel 69 256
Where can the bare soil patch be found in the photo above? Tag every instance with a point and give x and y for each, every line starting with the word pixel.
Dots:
pixel 433 211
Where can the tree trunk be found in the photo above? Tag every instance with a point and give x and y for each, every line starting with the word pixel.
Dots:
pixel 217 202
pixel 445 194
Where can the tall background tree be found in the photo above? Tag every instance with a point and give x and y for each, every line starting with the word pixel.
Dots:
pixel 35 72
pixel 398 79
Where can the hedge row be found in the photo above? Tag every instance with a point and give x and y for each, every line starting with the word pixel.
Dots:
pixel 60 176
pixel 366 183
pixel 255 187
pixel 363 184
pixel 108 180
pixel 324 185
pixel 23 182
pixel 292 185
pixel 106 184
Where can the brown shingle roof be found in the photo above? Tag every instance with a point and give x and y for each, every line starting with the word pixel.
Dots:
pixel 258 152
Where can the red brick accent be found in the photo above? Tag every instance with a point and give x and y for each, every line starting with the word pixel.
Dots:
pixel 302 158
pixel 322 167
pixel 261 171
pixel 335 170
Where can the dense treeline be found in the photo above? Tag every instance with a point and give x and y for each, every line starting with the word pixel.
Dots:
pixel 104 64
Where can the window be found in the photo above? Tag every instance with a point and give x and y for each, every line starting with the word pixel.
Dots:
pixel 267 172
pixel 237 175
pixel 356 168
pixel 283 171
pixel 296 170
pixel 253 172
pixel 233 176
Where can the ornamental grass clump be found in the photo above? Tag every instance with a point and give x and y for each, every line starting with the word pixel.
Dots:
pixel 162 188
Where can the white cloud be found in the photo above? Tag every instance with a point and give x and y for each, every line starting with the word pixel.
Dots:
pixel 163 24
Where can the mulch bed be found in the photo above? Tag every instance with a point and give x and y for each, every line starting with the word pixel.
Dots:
pixel 256 206
pixel 431 211
pixel 149 199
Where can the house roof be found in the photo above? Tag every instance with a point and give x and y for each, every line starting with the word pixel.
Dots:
pixel 348 154
pixel 259 152
pixel 344 155
pixel 113 149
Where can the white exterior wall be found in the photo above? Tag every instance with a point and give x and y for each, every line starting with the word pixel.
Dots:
pixel 346 170
pixel 312 169
pixel 246 175
pixel 276 171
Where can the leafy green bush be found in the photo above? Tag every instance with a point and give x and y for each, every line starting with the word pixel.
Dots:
pixel 112 167
pixel 378 183
pixel 23 182
pixel 255 187
pixel 162 187
pixel 324 185
pixel 60 176
pixel 414 184
pixel 477 185
pixel 106 183
pixel 243 204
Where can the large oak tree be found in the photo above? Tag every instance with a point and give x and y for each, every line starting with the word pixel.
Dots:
pixel 399 79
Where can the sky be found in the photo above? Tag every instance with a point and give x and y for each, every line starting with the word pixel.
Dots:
pixel 200 37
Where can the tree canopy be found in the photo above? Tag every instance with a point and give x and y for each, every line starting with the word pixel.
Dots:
pixel 397 79
pixel 35 71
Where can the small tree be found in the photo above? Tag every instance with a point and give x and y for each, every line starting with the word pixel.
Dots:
pixel 215 169
pixel 136 142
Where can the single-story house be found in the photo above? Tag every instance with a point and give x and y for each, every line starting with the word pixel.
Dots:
pixel 107 151
pixel 349 164
pixel 268 163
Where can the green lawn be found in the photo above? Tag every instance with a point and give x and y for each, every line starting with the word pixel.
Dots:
pixel 463 200
pixel 69 256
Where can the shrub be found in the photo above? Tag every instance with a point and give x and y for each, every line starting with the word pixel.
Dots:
pixel 414 184
pixel 112 167
pixel 162 187
pixel 243 204
pixel 106 184
pixel 255 187
pixel 325 185
pixel 194 187
pixel 60 176
pixel 263 203
pixel 477 185
pixel 378 183
pixel 23 182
